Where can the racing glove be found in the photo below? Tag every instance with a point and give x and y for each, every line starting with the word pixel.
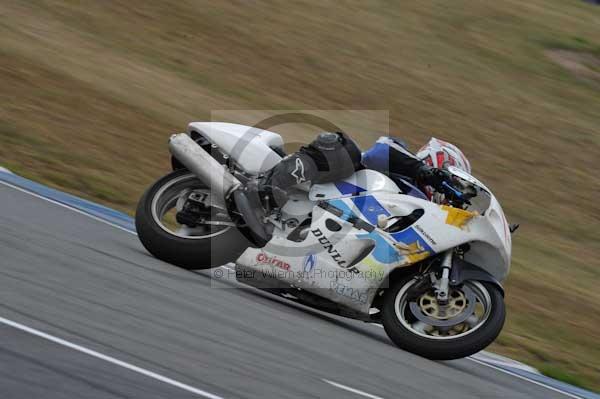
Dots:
pixel 433 177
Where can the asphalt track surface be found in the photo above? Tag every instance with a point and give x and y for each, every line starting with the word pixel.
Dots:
pixel 93 286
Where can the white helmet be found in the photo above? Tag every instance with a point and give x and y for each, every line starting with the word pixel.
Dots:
pixel 439 154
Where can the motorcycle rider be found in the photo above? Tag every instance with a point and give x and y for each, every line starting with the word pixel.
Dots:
pixel 333 156
pixel 389 155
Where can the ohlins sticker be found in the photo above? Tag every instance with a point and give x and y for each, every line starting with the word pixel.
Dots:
pixel 334 253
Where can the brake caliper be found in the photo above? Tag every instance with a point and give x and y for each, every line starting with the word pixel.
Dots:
pixel 194 210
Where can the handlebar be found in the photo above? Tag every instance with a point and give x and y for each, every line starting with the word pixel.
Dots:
pixel 450 188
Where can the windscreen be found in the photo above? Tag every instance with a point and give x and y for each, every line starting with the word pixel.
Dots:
pixel 479 195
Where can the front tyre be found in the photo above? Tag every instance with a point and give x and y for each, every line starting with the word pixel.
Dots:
pixel 472 319
pixel 213 243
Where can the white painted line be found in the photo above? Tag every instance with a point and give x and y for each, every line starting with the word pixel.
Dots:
pixel 68 207
pixel 3 169
pixel 109 359
pixel 502 370
pixel 353 390
pixel 526 379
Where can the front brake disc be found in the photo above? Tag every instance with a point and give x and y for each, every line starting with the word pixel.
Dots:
pixel 459 318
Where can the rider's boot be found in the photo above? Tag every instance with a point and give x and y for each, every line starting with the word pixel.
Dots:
pixel 330 157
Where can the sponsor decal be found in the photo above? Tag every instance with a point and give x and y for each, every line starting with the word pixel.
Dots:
pixel 425 234
pixel 412 246
pixel 310 261
pixel 414 252
pixel 458 217
pixel 354 294
pixel 264 259
pixel 334 253
pixel 298 173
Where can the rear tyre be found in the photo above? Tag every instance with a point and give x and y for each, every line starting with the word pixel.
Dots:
pixel 190 248
pixel 470 336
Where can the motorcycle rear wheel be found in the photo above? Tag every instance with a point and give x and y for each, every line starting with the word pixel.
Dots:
pixel 450 342
pixel 190 248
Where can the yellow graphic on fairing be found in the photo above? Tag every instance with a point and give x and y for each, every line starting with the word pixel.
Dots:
pixel 414 252
pixel 458 217
pixel 373 265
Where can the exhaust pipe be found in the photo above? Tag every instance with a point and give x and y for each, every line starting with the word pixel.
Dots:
pixel 220 182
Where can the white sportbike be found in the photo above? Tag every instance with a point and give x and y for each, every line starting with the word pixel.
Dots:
pixel 368 247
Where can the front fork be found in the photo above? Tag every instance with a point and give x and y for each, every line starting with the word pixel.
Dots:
pixel 444 282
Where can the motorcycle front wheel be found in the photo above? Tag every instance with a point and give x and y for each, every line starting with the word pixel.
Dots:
pixel 214 242
pixel 468 323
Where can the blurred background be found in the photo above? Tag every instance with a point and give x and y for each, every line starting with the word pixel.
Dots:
pixel 91 90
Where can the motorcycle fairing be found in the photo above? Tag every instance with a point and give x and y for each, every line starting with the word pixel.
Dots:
pixel 344 277
pixel 342 267
pixel 398 249
pixel 349 264
pixel 251 147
